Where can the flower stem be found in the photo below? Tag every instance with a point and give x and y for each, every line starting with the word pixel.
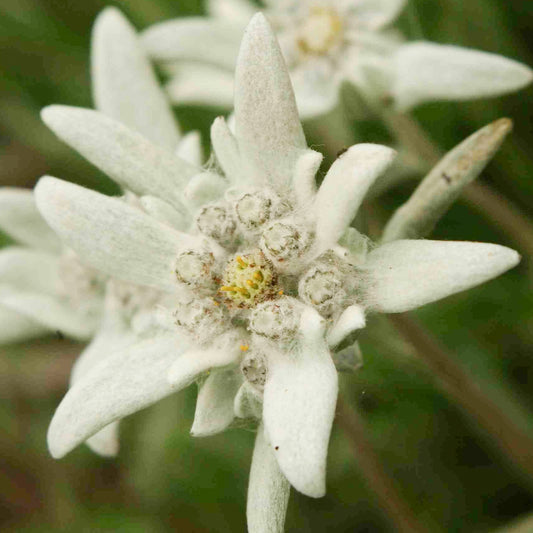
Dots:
pixel 515 443
pixel 380 483
pixel 506 216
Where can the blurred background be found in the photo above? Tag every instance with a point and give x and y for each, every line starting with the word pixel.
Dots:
pixel 441 463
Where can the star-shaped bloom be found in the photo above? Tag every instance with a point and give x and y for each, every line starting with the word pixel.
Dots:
pixel 326 43
pixel 264 286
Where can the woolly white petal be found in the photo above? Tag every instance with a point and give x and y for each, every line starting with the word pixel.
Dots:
pixel 299 406
pixel 124 84
pixel 351 319
pixel 304 179
pixel 52 312
pixel 224 351
pixel 29 283
pixel 194 39
pixel 123 154
pixel 428 71
pixel 373 14
pixel 316 86
pixel 248 402
pixel 235 10
pixel 198 84
pixel 406 274
pixel 118 386
pixel 112 336
pixel 15 327
pixel 21 220
pixel 268 129
pixel 105 442
pixel 214 406
pixel 203 188
pixel 166 213
pixel 268 490
pixel 227 151
pixel 29 270
pixel 110 235
pixel 344 188
pixel 190 148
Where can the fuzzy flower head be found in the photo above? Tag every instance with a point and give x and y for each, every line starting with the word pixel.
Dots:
pixel 327 43
pixel 264 279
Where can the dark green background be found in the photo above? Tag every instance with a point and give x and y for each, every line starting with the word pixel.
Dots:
pixel 164 480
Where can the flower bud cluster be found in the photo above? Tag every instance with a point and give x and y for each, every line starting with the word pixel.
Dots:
pixel 324 285
pixel 195 269
pixel 248 280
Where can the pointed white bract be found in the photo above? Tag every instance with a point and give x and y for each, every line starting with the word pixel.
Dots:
pixel 190 148
pixel 21 220
pixel 17 327
pixel 214 405
pixel 403 275
pixel 268 490
pixel 118 386
pixel 123 154
pixel 198 84
pixel 235 10
pixel 299 406
pixel 353 173
pixel 124 84
pixel 193 39
pixel 227 151
pixel 111 235
pixel 267 126
pixel 222 352
pixel 428 71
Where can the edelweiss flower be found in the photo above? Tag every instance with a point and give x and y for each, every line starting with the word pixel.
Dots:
pixel 327 42
pixel 265 284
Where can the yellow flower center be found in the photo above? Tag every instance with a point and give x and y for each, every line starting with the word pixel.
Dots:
pixel 320 31
pixel 248 280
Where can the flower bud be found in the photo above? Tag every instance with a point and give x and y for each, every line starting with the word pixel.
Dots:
pixel 194 268
pixel 216 222
pixel 204 318
pixel 323 287
pixel 277 319
pixel 254 209
pixel 285 241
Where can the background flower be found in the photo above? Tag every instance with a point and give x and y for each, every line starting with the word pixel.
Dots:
pixel 326 44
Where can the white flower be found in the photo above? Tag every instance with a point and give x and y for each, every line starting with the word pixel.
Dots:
pixel 255 306
pixel 326 43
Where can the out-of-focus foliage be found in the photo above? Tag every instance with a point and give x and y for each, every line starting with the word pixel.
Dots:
pixel 164 480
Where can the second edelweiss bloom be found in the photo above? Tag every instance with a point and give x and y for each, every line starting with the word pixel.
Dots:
pixel 326 43
pixel 265 283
